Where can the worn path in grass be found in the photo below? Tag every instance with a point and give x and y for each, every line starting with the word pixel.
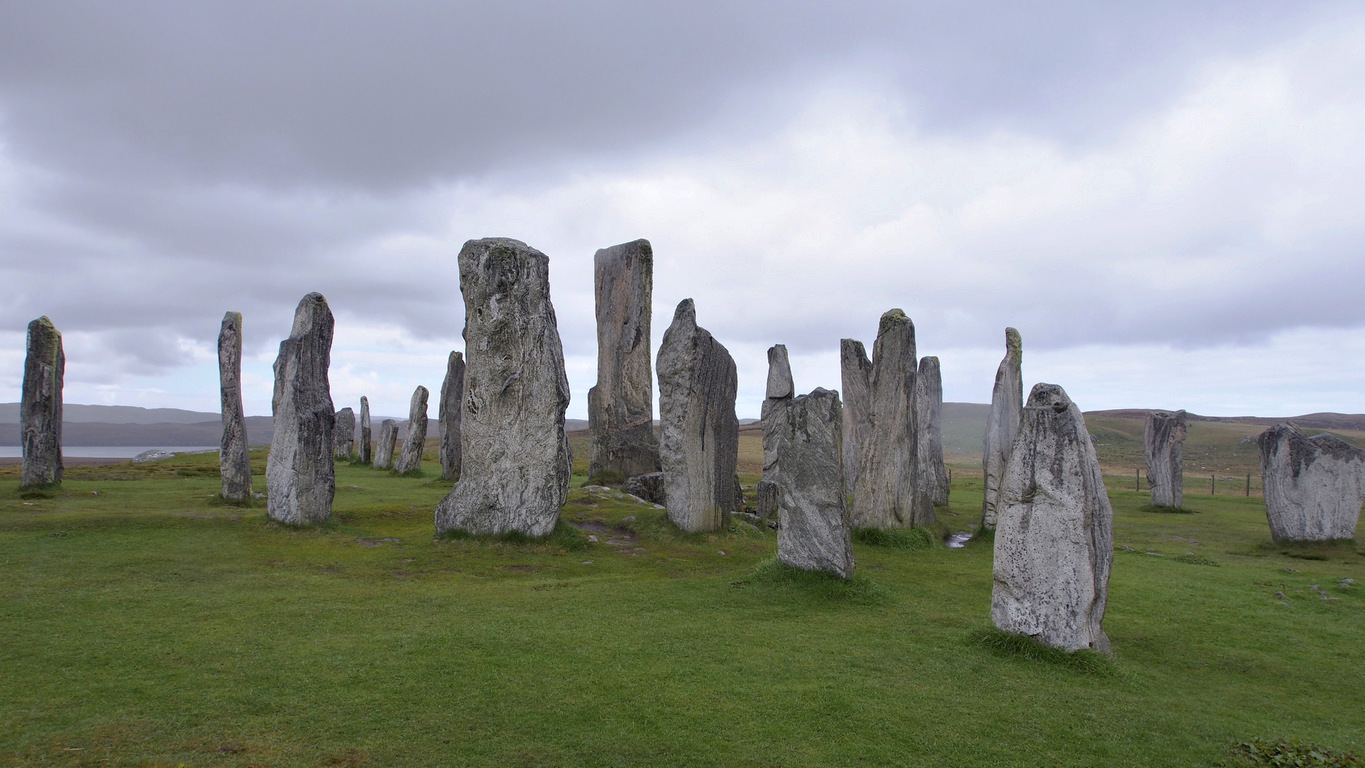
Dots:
pixel 142 624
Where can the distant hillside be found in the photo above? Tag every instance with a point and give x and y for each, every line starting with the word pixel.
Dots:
pixel 116 414
pixel 1353 421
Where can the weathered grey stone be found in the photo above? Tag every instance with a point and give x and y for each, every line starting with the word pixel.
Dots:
pixel 767 499
pixel 40 406
pixel 700 441
pixel 452 406
pixel 1163 438
pixel 299 474
pixel 813 531
pixel 366 449
pixel 1314 486
pixel 385 443
pixel 411 458
pixel 621 406
pixel 514 453
pixel 884 496
pixel 931 479
pixel 649 486
pixel 345 434
pixel 780 392
pixel 234 459
pixel 1054 537
pixel 856 376
pixel 1002 423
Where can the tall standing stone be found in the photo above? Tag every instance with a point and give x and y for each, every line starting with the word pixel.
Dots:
pixel 40 407
pixel 700 441
pixel 515 455
pixel 299 473
pixel 931 476
pixel 1163 439
pixel 884 496
pixel 779 393
pixel 411 458
pixel 813 533
pixel 365 449
pixel 234 459
pixel 385 443
pixel 621 406
pixel 1054 536
pixel 345 434
pixel 1314 486
pixel 855 373
pixel 452 406
pixel 1002 423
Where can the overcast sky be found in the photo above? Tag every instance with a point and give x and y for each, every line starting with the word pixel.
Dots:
pixel 1167 199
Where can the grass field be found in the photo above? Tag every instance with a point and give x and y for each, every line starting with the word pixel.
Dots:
pixel 144 624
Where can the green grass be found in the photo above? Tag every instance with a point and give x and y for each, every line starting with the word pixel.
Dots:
pixel 143 623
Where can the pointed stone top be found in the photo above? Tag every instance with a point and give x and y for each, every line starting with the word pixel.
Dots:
pixel 364 402
pixel 780 385
pixel 455 357
pixel 44 325
pixel 685 315
pixel 1049 396
pixel 312 311
pixel 893 318
pixel 1014 345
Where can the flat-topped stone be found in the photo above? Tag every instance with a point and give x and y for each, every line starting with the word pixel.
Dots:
pixel 452 406
pixel 234 458
pixel 1314 486
pixel 1163 439
pixel 300 476
pixel 813 531
pixel 40 405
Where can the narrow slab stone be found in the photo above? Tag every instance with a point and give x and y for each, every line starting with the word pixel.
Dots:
pixel 40 406
pixel 1163 440
pixel 700 440
pixel 366 443
pixel 1054 536
pixel 234 459
pixel 1002 423
pixel 514 453
pixel 780 392
pixel 299 473
pixel 411 458
pixel 385 443
pixel 766 499
pixel 884 496
pixel 621 406
pixel 345 434
pixel 452 406
pixel 813 531
pixel 1314 486
pixel 931 483
pixel 856 377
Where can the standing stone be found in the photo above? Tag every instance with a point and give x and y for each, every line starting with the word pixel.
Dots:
pixel 780 391
pixel 366 451
pixel 1002 423
pixel 649 487
pixel 345 434
pixel 40 408
pixel 931 478
pixel 856 375
pixel 1314 486
pixel 813 531
pixel 884 496
pixel 700 441
pixel 234 460
pixel 299 473
pixel 411 458
pixel 452 401
pixel 514 453
pixel 1163 438
pixel 1054 536
pixel 766 499
pixel 621 406
pixel 383 447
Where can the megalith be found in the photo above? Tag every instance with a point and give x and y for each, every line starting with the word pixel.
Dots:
pixel 780 391
pixel 515 460
pixel 40 406
pixel 1163 438
pixel 1314 486
pixel 855 374
pixel 884 495
pixel 1054 536
pixel 931 475
pixel 1002 423
pixel 345 434
pixel 299 473
pixel 699 445
pixel 621 406
pixel 410 460
pixel 365 449
pixel 234 458
pixel 385 443
pixel 813 531
pixel 452 406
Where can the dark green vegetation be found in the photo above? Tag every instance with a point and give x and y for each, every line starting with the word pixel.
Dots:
pixel 144 623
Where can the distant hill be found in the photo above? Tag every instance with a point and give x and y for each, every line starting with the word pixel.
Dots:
pixel 116 414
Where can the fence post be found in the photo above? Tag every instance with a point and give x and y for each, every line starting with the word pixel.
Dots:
pixel 1248 486
pixel 1211 491
pixel 1137 479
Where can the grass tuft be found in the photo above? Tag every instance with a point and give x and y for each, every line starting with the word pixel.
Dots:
pixel 905 539
pixel 815 585
pixel 44 491
pixel 1017 646
pixel 1290 753
pixel 1195 560
pixel 1335 549
pixel 1168 510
